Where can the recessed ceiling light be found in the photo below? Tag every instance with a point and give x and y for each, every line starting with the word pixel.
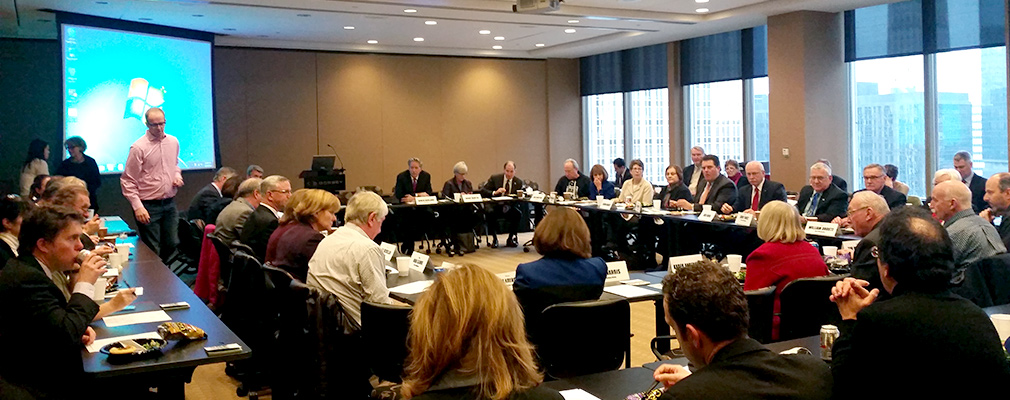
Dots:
pixel 373 42
pixel 431 22
pixel 349 28
pixel 410 10
pixel 701 1
pixel 539 45
pixel 229 29
pixel 569 30
pixel 701 10
pixel 198 15
pixel 419 39
pixel 573 21
pixel 496 47
pixel 484 32
pixel 304 15
pixel 499 38
pixel 143 19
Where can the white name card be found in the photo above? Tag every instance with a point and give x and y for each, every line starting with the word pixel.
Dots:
pixel 680 261
pixel 821 228
pixel 388 250
pixel 508 278
pixel 418 261
pixel 617 271
pixel 426 200
pixel 706 216
pixel 850 244
pixel 744 219
pixel 607 204
pixel 538 197
pixel 472 198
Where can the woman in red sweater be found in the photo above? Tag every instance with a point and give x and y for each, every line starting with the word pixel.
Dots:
pixel 784 257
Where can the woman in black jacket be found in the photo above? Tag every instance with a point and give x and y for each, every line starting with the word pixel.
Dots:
pixel 675 188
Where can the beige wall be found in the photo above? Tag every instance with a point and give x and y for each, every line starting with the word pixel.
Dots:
pixel 277 108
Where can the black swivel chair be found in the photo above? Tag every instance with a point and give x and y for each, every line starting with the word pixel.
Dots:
pixel 804 307
pixel 384 332
pixel 251 311
pixel 586 337
pixel 187 254
pixel 761 304
pixel 996 275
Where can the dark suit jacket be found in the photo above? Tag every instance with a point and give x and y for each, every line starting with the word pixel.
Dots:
pixel 257 230
pixel 619 179
pixel 677 192
pixel 292 246
pixel 745 369
pixel 895 345
pixel 832 203
pixel 1003 228
pixel 6 254
pixel 41 330
pixel 200 206
pixel 404 186
pixel 450 187
pixel 583 182
pixel 723 191
pixel 770 191
pixel 864 264
pixel 497 181
pixel 893 197
pixel 841 183
pixel 977 186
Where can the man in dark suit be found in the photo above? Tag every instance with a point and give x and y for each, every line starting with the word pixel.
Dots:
pixel 706 307
pixel 692 173
pixel 199 207
pixel 874 177
pixel 42 330
pixel 504 184
pixel 997 195
pixel 409 184
pixel 757 188
pixel 715 189
pixel 621 172
pixel 264 220
pixel 573 180
pixel 412 182
pixel 866 210
pixel 835 179
pixel 881 343
pixel 976 183
pixel 821 198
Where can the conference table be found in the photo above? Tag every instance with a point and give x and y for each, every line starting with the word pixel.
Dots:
pixel 170 371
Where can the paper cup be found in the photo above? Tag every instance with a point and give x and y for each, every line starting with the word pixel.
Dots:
pixel 403 266
pixel 457 197
pixel 100 285
pixel 830 251
pixel 91 213
pixel 1002 323
pixel 734 262
pixel 123 249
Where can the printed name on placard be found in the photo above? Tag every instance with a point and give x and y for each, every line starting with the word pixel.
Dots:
pixel 472 198
pixel 617 271
pixel 706 216
pixel 425 200
pixel 388 250
pixel 418 261
pixel 821 228
pixel 744 219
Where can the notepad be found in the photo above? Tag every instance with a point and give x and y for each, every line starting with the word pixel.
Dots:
pixel 577 394
pixel 136 318
pixel 99 343
pixel 411 288
pixel 627 291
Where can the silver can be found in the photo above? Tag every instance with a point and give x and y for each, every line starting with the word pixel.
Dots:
pixel 829 333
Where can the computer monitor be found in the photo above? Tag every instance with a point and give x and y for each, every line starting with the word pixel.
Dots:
pixel 323 163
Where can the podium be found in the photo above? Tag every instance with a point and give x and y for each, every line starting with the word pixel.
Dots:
pixel 331 181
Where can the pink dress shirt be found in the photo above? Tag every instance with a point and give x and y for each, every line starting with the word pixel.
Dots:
pixel 152 165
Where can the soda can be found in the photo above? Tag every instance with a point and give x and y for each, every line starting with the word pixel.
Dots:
pixel 829 333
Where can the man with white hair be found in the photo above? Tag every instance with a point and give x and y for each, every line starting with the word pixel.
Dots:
pixel 973 237
pixel 758 192
pixel 573 181
pixel 976 183
pixel 947 174
pixel 821 198
pixel 232 219
pixel 866 210
pixel 462 218
pixel 276 190
pixel 692 173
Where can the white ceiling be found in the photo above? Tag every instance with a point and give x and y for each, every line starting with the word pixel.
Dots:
pixel 602 25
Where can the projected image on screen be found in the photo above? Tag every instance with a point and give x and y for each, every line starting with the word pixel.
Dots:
pixel 112 77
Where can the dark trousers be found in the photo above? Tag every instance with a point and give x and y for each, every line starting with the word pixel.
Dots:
pixel 509 214
pixel 161 234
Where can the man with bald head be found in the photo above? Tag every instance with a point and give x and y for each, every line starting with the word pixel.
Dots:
pixel 759 192
pixel 997 194
pixel 866 210
pixel 504 184
pixel 973 237
pixel 573 181
pixel 943 175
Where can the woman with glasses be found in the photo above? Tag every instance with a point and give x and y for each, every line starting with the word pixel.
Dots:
pixel 36 163
pixel 82 166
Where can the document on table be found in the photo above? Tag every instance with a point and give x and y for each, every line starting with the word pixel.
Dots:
pixel 657 286
pixel 136 318
pixel 629 291
pixel 412 288
pixel 577 394
pixel 501 198
pixel 99 343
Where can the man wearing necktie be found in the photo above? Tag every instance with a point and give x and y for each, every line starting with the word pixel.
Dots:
pixel 758 193
pixel 821 198
pixel 504 184
pixel 412 183
pixel 976 183
pixel 715 189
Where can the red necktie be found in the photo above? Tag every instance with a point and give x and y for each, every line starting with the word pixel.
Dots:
pixel 414 184
pixel 757 197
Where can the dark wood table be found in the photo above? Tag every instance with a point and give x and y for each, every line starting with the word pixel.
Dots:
pixel 812 343
pixel 610 385
pixel 170 371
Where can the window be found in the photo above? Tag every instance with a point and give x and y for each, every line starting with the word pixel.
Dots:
pixel 759 105
pixel 715 119
pixel 604 129
pixel 650 132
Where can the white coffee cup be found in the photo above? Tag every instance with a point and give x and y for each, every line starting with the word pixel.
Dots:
pixel 1002 323
pixel 706 207
pixel 91 213
pixel 100 285
pixel 123 249
pixel 457 197
pixel 403 266
pixel 830 251
pixel 734 262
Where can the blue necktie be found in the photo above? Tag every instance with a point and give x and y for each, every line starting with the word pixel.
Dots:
pixel 813 204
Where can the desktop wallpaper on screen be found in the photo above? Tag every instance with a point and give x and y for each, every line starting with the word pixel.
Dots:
pixel 112 77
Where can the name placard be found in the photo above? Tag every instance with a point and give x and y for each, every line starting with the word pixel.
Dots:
pixel 388 250
pixel 426 200
pixel 606 204
pixel 821 228
pixel 680 261
pixel 617 271
pixel 508 278
pixel 418 261
pixel 538 197
pixel 472 198
pixel 850 244
pixel 744 219
pixel 706 216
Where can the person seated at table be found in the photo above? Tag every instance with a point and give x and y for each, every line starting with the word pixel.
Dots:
pixel 835 179
pixel 601 187
pixel 461 219
pixel 946 174
pixel 76 197
pixel 706 307
pixel 228 191
pixel 504 184
pixel 997 195
pixel 307 214
pixel 485 355
pixel 621 172
pixel 638 188
pixel 200 206
pixel 892 182
pixel 891 348
pixel 821 198
pixel 974 238
pixel 261 223
pixel 409 184
pixel 784 257
pixel 13 209
pixel 692 172
pixel 36 312
pixel 714 189
pixel 733 172
pixel 873 179
pixel 756 191
pixel 38 186
pixel 231 220
pixel 573 181
pixel 348 263
pixel 866 210
pixel 675 188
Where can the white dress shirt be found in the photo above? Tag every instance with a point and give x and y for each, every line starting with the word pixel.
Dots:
pixel 350 266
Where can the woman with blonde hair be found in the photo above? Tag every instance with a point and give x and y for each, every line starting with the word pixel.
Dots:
pixel 467 341
pixel 308 213
pixel 784 257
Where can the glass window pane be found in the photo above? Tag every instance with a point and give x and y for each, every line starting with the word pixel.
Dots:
pixel 716 118
pixel 888 119
pixel 759 104
pixel 971 86
pixel 650 132
pixel 605 130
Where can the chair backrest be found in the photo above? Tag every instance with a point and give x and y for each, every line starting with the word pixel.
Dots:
pixel 334 365
pixel 996 275
pixel 914 200
pixel 804 307
pixel 586 337
pixel 531 184
pixel 224 253
pixel 970 283
pixel 384 333
pixel 189 239
pixel 534 301
pixel 761 304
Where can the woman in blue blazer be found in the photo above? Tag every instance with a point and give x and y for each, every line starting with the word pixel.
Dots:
pixel 601 186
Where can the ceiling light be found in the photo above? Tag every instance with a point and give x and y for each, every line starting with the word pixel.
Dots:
pixel 573 21
pixel 419 39
pixel 539 45
pixel 569 30
pixel 304 15
pixel 431 22
pixel 496 47
pixel 701 10
pixel 484 32
pixel 701 1
pixel 410 10
pixel 349 28
pixel 373 42
pixel 499 38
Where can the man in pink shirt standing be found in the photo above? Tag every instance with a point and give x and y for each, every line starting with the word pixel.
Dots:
pixel 150 181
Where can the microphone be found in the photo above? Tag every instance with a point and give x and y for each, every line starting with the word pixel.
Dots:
pixel 338 157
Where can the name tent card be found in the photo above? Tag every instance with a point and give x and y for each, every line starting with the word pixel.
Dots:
pixel 388 250
pixel 706 216
pixel 607 204
pixel 850 244
pixel 426 200
pixel 472 198
pixel 821 228
pixel 617 271
pixel 508 278
pixel 538 197
pixel 418 261
pixel 677 262
pixel 744 219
